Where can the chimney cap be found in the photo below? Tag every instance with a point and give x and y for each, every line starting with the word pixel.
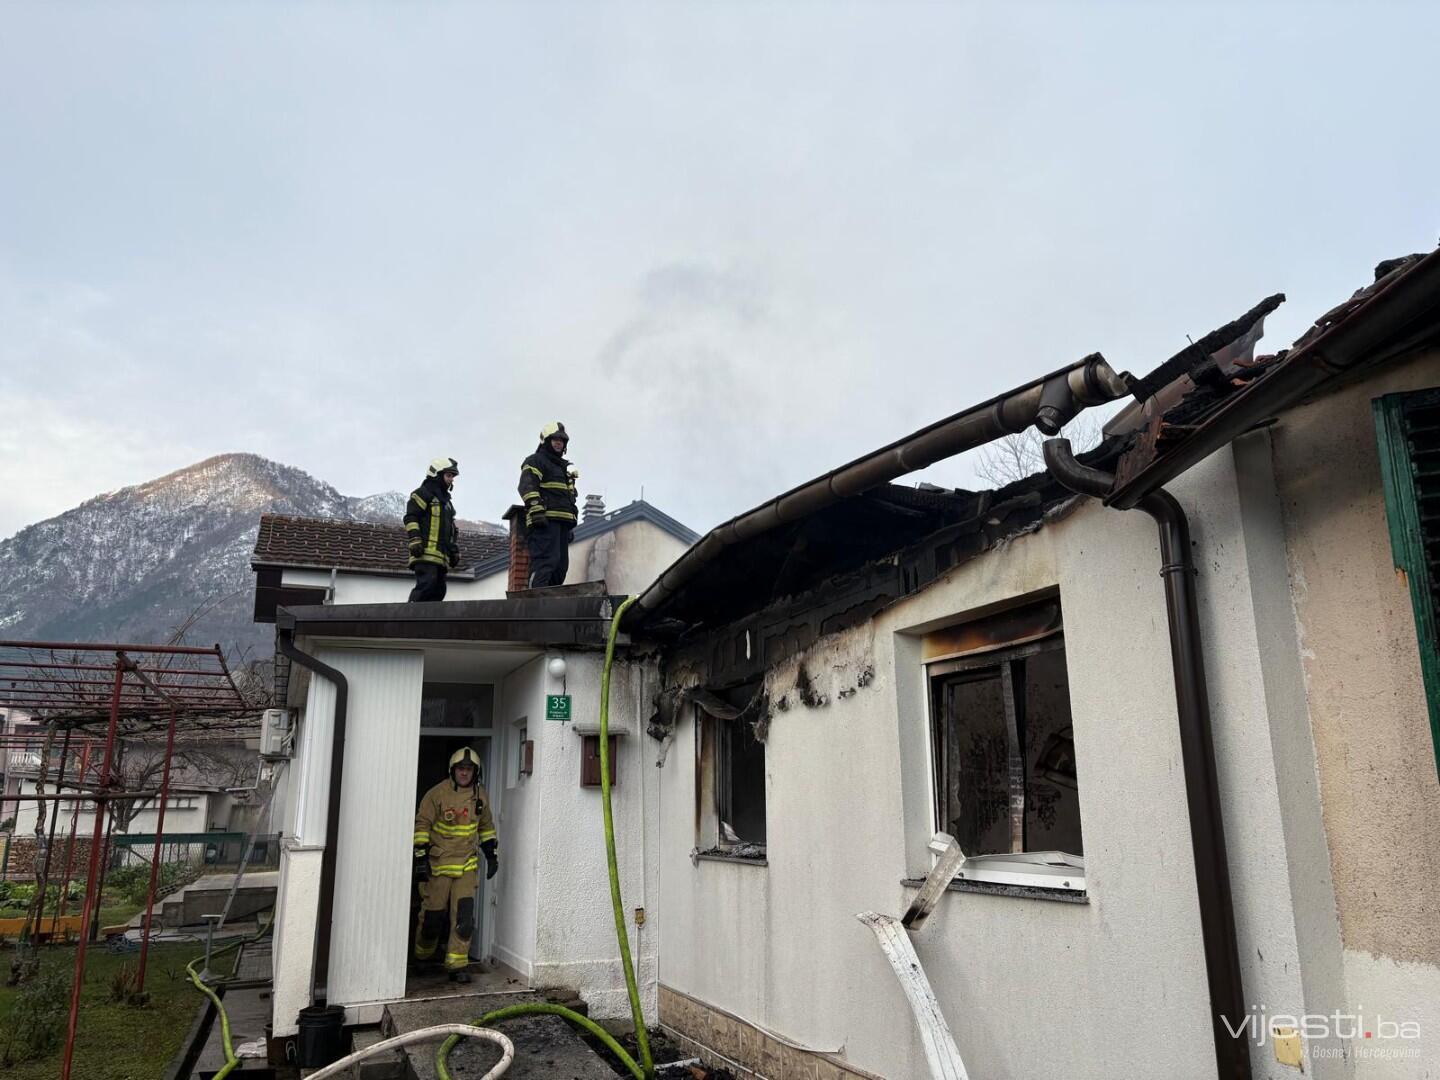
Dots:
pixel 594 507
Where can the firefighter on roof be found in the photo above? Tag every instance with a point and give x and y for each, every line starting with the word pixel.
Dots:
pixel 547 487
pixel 453 828
pixel 430 529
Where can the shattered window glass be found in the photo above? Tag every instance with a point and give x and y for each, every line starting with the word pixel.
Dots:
pixel 1004 751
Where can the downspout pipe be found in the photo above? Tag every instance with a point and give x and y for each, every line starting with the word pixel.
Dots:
pixel 1047 403
pixel 325 909
pixel 1197 750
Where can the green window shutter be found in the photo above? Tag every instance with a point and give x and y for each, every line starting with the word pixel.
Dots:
pixel 1408 429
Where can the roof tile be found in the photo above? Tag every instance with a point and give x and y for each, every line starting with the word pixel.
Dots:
pixel 356 545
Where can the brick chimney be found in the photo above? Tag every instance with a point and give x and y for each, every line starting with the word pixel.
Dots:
pixel 594 508
pixel 519 552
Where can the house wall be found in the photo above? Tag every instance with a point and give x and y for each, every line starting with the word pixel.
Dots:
pixel 574 923
pixel 1366 703
pixel 191 818
pixel 627 559
pixel 517 799
pixel 1034 988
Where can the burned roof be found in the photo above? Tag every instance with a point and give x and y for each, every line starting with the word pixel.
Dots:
pixel 912 534
pixel 354 545
pixel 1209 393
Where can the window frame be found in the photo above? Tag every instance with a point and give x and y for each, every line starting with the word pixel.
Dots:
pixel 1407 545
pixel 714 788
pixel 1039 869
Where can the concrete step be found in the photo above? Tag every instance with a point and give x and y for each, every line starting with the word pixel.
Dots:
pixel 390 1065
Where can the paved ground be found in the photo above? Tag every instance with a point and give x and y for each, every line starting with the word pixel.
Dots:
pixel 249 1012
pixel 545 1046
pixel 431 980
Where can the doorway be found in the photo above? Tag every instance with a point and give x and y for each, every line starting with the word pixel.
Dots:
pixel 453 716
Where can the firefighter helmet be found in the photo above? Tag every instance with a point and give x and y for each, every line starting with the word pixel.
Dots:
pixel 554 431
pixel 465 756
pixel 443 465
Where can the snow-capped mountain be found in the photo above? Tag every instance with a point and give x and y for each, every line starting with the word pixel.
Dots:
pixel 137 563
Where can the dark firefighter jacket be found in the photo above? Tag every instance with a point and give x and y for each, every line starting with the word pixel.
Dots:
pixel 454 822
pixel 430 525
pixel 547 488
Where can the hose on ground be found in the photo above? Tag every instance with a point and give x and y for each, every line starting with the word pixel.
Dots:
pixel 231 1061
pixel 645 1070
pixel 455 1031
pixel 510 1012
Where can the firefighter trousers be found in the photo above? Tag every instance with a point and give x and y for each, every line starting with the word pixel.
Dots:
pixel 437 896
pixel 429 582
pixel 549 555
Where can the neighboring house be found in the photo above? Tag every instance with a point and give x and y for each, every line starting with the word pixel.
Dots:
pixel 814 689
pixel 308 560
pixel 20 753
pixel 207 780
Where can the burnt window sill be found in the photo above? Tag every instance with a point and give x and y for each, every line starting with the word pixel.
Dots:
pixel 752 856
pixel 995 888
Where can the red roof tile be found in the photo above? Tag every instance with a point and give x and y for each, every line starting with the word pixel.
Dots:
pixel 354 545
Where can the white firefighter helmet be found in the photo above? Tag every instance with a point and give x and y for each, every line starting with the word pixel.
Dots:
pixel 443 465
pixel 465 756
pixel 555 430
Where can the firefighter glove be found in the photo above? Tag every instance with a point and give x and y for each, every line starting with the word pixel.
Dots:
pixel 422 864
pixel 492 858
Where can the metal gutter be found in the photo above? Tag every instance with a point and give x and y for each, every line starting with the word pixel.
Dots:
pixel 1047 403
pixel 1397 317
pixel 325 909
pixel 1197 749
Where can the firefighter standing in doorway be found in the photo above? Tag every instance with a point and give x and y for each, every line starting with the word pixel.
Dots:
pixel 547 487
pixel 453 827
pixel 430 528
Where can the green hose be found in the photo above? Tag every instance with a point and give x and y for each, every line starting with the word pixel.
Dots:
pixel 646 1069
pixel 512 1011
pixel 231 1061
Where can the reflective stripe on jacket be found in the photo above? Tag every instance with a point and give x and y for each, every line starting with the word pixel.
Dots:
pixel 430 525
pixel 547 489
pixel 454 821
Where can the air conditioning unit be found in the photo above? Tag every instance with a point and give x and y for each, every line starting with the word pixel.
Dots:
pixel 277 729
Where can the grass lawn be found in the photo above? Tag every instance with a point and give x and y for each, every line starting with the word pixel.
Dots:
pixel 115 1041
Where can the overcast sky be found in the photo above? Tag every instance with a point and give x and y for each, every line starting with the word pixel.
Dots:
pixel 730 245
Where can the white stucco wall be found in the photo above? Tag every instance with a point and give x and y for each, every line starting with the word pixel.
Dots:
pixel 627 559
pixel 574 929
pixel 1032 988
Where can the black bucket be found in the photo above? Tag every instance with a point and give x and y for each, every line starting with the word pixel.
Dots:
pixel 321 1039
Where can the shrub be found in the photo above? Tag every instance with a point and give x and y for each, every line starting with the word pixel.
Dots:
pixel 122 983
pixel 35 1024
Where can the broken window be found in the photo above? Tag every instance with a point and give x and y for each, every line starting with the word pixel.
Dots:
pixel 1005 781
pixel 730 767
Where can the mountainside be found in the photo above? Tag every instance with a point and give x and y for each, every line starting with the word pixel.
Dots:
pixel 136 564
